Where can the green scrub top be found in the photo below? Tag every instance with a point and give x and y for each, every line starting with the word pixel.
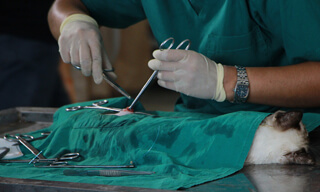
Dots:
pixel 249 33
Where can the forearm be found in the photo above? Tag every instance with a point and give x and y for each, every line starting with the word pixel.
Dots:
pixel 62 9
pixel 290 86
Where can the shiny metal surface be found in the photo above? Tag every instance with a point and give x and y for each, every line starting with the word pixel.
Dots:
pixel 30 147
pixel 251 178
pixel 186 42
pixel 109 80
pixel 59 160
pixel 268 178
pixel 28 185
pixel 5 150
pixel 293 178
pixel 95 105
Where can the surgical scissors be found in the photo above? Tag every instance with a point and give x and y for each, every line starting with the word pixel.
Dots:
pixel 25 139
pixel 28 138
pixel 58 160
pixel 154 74
pixel 109 80
pixel 21 139
pixel 95 105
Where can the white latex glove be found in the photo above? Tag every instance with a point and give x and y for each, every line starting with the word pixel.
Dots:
pixel 81 44
pixel 190 73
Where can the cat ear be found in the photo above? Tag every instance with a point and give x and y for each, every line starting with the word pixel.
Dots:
pixel 300 157
pixel 287 120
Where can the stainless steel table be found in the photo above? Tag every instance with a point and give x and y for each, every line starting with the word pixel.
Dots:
pixel 251 178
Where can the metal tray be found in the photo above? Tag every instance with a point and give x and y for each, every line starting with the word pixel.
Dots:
pixel 25 119
pixel 250 178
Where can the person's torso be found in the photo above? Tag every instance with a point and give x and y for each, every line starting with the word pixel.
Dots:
pixel 224 31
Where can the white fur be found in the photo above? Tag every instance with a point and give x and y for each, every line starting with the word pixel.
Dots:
pixel 271 144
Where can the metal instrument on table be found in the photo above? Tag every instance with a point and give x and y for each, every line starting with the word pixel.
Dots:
pixel 59 160
pixel 28 138
pixel 95 105
pixel 154 74
pixel 21 139
pixel 109 80
pixel 62 162
pixel 105 172
pixel 62 165
pixel 30 147
pixel 4 152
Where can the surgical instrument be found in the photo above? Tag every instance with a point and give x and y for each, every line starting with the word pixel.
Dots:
pixel 3 153
pixel 109 80
pixel 61 159
pixel 154 74
pixel 30 147
pixel 25 139
pixel 84 166
pixel 14 151
pixel 95 105
pixel 28 138
pixel 105 172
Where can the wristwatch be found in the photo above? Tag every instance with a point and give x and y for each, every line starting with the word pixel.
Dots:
pixel 241 90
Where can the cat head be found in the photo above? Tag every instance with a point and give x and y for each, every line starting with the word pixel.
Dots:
pixel 289 125
pixel 283 121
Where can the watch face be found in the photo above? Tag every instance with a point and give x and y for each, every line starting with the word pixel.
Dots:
pixel 242 91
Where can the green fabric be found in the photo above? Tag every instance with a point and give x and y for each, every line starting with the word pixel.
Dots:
pixel 247 33
pixel 184 149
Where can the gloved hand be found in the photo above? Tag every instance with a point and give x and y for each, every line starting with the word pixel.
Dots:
pixel 190 73
pixel 81 44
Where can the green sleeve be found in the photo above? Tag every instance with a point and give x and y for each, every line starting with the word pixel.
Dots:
pixel 300 21
pixel 115 13
pixel 291 27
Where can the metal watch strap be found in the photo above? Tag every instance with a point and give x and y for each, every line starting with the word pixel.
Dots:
pixel 241 90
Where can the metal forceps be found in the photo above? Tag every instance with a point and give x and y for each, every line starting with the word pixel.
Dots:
pixel 59 160
pixel 95 105
pixel 109 80
pixel 28 138
pixel 65 165
pixel 154 74
pixel 25 143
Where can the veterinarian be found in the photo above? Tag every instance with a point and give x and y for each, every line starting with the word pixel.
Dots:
pixel 257 55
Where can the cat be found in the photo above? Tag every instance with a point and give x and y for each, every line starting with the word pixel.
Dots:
pixel 281 138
